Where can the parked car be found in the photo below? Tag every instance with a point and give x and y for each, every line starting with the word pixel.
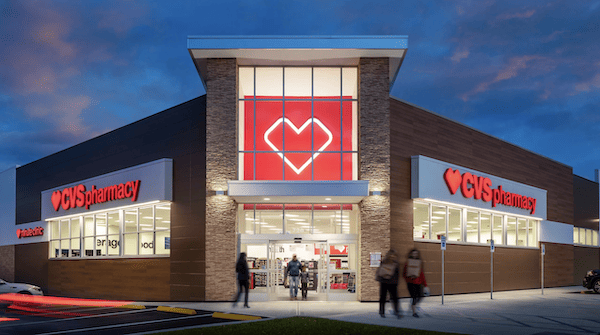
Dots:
pixel 6 287
pixel 592 280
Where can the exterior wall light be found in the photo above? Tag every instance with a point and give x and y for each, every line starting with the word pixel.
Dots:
pixel 375 193
pixel 221 192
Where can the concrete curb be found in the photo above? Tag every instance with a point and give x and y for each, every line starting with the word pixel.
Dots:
pixel 235 316
pixel 176 310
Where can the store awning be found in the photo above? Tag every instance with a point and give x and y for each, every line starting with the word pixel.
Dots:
pixel 298 192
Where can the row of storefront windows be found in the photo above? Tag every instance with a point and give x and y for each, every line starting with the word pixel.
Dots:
pixel 585 236
pixel 432 221
pixel 298 218
pixel 129 232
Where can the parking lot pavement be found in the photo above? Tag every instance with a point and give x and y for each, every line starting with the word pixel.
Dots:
pixel 564 310
pixel 22 317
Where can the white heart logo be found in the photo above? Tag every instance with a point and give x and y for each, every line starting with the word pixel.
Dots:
pixel 298 131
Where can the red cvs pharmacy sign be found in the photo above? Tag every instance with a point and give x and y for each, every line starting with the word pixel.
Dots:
pixel 472 186
pixel 77 196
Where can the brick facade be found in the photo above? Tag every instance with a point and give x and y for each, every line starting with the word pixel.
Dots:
pixel 7 262
pixel 221 166
pixel 374 151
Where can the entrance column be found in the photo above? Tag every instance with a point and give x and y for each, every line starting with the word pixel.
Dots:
pixel 221 166
pixel 374 150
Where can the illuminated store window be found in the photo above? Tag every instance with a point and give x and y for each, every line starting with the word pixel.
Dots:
pixel 297 218
pixel 472 226
pixel 585 236
pixel 130 232
pixel 298 123
pixel 421 218
pixel 486 228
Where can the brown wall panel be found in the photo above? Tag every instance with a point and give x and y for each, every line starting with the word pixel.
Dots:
pixel 31 264
pixel 418 132
pixel 467 268
pixel 558 265
pixel 121 279
pixel 585 259
pixel 585 193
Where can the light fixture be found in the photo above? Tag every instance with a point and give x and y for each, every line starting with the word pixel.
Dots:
pixel 220 192
pixel 328 199
pixel 375 193
pixel 267 199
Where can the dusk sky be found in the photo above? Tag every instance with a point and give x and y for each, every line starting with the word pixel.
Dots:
pixel 527 72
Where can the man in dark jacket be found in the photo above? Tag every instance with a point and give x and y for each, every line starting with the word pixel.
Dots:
pixel 293 271
pixel 241 267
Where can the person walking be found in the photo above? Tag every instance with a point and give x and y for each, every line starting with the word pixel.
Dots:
pixel 304 282
pixel 415 278
pixel 387 274
pixel 293 271
pixel 241 267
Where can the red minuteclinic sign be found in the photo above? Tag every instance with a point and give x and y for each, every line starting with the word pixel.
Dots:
pixel 77 196
pixel 37 231
pixel 472 186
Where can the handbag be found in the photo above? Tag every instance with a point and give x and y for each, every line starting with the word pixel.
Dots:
pixel 386 271
pixel 426 291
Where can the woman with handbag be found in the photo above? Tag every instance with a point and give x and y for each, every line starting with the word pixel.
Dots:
pixel 387 274
pixel 415 278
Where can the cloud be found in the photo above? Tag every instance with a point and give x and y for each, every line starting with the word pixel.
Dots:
pixel 522 15
pixel 588 85
pixel 509 71
pixel 458 55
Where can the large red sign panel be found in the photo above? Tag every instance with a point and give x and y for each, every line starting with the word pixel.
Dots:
pixel 329 130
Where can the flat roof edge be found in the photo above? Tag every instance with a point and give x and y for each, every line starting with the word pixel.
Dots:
pixel 389 42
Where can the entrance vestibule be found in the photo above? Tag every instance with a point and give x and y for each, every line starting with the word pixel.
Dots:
pixel 331 269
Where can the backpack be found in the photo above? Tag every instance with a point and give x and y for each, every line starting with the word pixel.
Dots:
pixel 386 271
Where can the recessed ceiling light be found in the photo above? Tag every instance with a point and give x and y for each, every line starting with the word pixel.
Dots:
pixel 327 199
pixel 267 199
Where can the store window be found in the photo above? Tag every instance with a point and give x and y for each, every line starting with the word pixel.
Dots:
pixel 472 226
pixel 585 236
pixel 129 232
pixel 298 218
pixel 298 123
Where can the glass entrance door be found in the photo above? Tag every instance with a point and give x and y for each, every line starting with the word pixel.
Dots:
pixel 331 266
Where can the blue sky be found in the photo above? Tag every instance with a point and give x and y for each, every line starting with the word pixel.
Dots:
pixel 525 72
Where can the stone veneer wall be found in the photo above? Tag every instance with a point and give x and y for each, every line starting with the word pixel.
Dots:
pixel 7 262
pixel 221 166
pixel 374 148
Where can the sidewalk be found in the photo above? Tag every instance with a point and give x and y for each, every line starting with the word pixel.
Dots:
pixel 563 310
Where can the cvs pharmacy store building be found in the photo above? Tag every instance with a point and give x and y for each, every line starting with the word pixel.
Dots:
pixel 296 148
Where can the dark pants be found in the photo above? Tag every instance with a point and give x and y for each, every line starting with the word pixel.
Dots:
pixel 304 290
pixel 415 292
pixel 383 290
pixel 242 284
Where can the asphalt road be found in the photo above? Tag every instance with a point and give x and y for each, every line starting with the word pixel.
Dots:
pixel 43 319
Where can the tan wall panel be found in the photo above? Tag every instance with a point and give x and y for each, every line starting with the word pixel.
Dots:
pixel 121 279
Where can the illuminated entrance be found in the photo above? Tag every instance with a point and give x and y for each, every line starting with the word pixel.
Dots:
pixel 331 268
